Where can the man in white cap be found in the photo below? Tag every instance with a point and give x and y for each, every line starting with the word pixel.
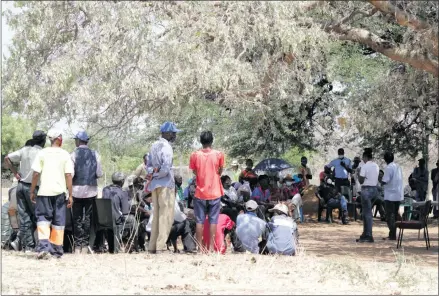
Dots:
pixel 282 232
pixel 54 168
pixel 249 228
pixel 88 169
pixel 162 186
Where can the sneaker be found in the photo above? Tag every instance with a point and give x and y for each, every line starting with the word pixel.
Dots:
pixel 366 239
pixel 43 255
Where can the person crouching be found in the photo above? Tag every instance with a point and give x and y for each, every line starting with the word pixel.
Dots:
pixel 282 233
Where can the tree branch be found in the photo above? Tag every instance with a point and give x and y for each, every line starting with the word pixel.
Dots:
pixel 414 58
pixel 407 20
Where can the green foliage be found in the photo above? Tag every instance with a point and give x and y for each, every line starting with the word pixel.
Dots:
pixel 16 131
pixel 293 156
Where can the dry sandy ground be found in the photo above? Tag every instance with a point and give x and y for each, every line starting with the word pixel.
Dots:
pixel 329 262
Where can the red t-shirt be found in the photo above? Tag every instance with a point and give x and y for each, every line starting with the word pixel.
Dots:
pixel 224 222
pixel 207 162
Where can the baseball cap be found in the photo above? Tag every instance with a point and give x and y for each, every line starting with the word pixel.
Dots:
pixel 39 135
pixel 169 127
pixel 281 208
pixel 82 135
pixel 53 134
pixel 251 205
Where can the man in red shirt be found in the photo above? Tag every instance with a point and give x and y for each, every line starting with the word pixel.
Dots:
pixel 224 222
pixel 207 165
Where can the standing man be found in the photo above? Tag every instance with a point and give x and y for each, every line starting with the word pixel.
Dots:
pixel 54 168
pixel 342 167
pixel 305 171
pixel 162 186
pixel 26 209
pixel 207 165
pixel 369 180
pixel 420 175
pixel 88 169
pixel 435 190
pixel 235 171
pixel 393 192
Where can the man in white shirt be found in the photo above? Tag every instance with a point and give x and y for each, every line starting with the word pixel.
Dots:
pixel 393 192
pixel 369 191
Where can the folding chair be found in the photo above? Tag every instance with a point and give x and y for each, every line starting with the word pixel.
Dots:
pixel 102 220
pixel 423 211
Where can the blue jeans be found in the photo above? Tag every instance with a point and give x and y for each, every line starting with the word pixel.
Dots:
pixel 338 203
pixel 367 195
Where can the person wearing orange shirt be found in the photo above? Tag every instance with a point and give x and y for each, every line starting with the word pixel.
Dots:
pixel 207 165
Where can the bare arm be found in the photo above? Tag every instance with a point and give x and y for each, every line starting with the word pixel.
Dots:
pixel 69 188
pixel 9 165
pixel 35 179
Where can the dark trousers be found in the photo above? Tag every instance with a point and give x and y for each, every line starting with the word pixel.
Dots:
pixel 380 206
pixel 26 216
pixel 182 229
pixel 50 212
pixel 392 209
pixel 82 211
pixel 341 182
pixel 435 198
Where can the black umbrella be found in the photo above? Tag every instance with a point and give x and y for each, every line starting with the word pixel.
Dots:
pixel 273 165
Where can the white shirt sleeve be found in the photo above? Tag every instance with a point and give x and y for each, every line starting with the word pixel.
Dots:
pixel 363 171
pixel 388 174
pixel 15 156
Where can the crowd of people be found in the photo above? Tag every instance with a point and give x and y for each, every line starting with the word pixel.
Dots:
pixel 151 210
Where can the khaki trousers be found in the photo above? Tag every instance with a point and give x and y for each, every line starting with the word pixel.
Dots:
pixel 163 200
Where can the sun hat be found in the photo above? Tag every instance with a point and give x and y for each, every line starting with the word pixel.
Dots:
pixel 251 205
pixel 281 208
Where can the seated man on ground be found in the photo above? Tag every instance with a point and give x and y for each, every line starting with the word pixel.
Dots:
pixel 181 228
pixel 249 228
pixel 282 233
pixel 224 223
pixel 231 203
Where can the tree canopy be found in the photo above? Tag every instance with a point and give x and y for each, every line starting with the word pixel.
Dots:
pixel 260 74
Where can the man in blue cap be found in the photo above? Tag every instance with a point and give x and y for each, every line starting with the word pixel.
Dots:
pixel 85 189
pixel 162 186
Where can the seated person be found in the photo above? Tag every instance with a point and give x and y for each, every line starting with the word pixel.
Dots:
pixel 144 212
pixel 261 194
pixel 276 191
pixel 180 197
pixel 120 208
pixel 224 222
pixel 333 200
pixel 181 228
pixel 248 172
pixel 282 233
pixel 231 203
pixel 294 206
pixel 288 188
pixel 249 228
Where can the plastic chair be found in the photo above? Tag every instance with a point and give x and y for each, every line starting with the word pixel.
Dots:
pixel 102 220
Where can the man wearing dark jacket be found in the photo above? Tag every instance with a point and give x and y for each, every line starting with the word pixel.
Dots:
pixel 120 205
pixel 85 189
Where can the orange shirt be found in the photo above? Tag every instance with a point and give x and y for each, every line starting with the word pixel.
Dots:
pixel 207 162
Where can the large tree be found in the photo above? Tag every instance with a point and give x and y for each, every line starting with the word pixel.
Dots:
pixel 113 65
